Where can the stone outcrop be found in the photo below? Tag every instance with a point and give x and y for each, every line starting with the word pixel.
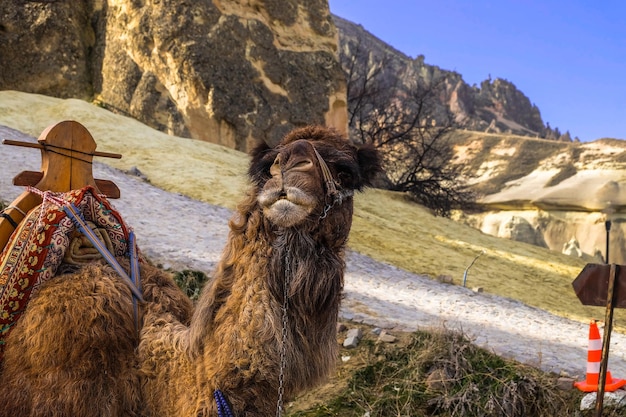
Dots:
pixel 230 72
pixel 550 194
pixel 45 47
pixel 519 229
pixel 226 71
pixel 496 106
pixel 506 109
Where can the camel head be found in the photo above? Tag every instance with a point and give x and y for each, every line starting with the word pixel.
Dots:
pixel 311 170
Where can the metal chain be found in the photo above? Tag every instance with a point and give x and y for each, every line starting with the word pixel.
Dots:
pixel 326 210
pixel 283 350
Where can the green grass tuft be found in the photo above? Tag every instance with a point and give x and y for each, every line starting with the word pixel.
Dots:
pixel 190 282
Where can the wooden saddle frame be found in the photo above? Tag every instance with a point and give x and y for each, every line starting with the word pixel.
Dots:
pixel 67 151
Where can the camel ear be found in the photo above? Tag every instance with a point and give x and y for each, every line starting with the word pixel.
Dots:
pixel 370 163
pixel 259 169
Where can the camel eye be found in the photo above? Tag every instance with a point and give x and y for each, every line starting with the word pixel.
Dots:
pixel 302 165
pixel 346 175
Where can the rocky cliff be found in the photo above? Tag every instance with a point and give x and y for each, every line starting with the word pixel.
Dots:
pixel 496 106
pixel 224 71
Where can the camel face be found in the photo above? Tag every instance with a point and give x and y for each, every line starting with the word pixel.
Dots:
pixel 312 169
pixel 292 192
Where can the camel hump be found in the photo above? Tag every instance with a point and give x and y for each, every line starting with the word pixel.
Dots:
pixel 48 238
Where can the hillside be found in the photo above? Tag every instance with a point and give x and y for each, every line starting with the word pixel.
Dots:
pixel 555 194
pixel 386 226
pixel 494 106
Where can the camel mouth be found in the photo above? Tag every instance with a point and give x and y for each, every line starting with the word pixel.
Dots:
pixel 292 195
pixel 286 208
pixel 284 205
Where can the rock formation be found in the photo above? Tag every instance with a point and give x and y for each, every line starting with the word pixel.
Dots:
pixel 226 71
pixel 551 194
pixel 519 229
pixel 45 47
pixel 496 106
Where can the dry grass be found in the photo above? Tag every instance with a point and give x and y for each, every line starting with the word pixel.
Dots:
pixel 389 228
pixel 208 172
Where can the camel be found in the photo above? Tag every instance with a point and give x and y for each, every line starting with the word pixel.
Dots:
pixel 263 330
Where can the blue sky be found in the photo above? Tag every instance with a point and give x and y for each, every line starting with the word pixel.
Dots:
pixel 567 57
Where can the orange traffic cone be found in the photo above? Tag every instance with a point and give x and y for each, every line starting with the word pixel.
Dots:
pixel 594 357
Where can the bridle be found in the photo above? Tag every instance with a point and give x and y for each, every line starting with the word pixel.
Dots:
pixel 333 195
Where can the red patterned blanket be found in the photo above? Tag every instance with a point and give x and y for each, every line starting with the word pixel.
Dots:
pixel 45 239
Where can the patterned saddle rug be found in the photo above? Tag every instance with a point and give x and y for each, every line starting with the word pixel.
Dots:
pixel 48 238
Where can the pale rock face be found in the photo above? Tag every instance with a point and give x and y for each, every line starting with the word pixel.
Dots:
pixel 561 197
pixel 229 72
pixel 572 248
pixel 519 229
pixel 582 235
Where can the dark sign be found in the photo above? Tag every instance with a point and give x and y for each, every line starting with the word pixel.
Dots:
pixel 592 285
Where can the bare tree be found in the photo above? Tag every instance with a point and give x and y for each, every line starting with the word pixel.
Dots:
pixel 410 124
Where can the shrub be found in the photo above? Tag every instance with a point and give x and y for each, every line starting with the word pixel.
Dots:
pixel 443 374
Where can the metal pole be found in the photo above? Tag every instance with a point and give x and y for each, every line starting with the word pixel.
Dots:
pixel 606 340
pixel 607 225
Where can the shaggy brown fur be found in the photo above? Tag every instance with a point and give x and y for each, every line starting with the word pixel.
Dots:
pixel 288 235
pixel 277 236
pixel 74 352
